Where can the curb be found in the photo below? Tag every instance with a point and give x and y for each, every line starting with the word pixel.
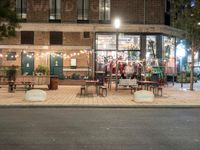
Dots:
pixel 103 106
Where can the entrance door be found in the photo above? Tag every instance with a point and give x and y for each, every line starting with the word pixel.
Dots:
pixel 56 65
pixel 27 63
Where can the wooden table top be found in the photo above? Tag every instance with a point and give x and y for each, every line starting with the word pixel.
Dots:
pixel 147 82
pixel 91 81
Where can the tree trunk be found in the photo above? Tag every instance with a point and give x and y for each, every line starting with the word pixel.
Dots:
pixel 192 68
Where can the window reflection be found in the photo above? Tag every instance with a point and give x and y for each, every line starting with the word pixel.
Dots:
pixel 150 48
pixel 106 42
pixel 104 10
pixel 129 42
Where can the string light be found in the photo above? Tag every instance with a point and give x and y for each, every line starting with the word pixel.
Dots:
pixel 53 54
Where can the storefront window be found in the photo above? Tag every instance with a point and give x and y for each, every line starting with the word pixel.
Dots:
pixel 106 42
pixel 169 47
pixel 129 55
pixel 181 55
pixel 129 42
pixel 169 54
pixel 104 59
pixel 150 47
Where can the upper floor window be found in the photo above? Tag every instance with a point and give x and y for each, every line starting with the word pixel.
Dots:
pixel 83 7
pixel 104 10
pixel 21 9
pixel 27 37
pixel 55 9
pixel 56 38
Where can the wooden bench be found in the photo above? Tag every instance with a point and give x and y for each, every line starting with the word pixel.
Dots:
pixel 129 84
pixel 30 81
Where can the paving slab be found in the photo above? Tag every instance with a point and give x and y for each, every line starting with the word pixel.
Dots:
pixel 70 96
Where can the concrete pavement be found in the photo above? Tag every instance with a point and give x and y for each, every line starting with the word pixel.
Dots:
pixel 70 96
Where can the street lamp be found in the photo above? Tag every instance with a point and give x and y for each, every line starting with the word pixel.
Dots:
pixel 180 53
pixel 117 24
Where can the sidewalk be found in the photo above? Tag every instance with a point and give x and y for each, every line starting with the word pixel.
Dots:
pixel 69 96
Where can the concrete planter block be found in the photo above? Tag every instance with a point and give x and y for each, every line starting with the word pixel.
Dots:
pixel 143 96
pixel 35 95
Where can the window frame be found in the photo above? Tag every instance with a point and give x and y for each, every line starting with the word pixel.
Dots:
pixel 54 11
pixel 104 12
pixel 53 35
pixel 27 35
pixel 22 10
pixel 9 56
pixel 84 12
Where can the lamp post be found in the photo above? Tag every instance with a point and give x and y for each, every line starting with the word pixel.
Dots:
pixel 180 53
pixel 117 24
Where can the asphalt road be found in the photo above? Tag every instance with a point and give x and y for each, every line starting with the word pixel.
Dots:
pixel 99 129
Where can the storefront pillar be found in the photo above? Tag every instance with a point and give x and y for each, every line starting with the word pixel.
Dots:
pixel 159 47
pixel 143 47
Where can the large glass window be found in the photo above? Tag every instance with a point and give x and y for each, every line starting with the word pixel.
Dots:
pixel 104 60
pixel 129 42
pixel 128 52
pixel 21 9
pixel 55 8
pixel 150 47
pixel 106 42
pixel 83 7
pixel 169 54
pixel 104 10
pixel 169 47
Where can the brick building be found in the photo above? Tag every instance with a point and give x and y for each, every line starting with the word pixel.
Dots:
pixel 77 34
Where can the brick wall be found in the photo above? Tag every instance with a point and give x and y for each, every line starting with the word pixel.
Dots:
pixel 37 10
pixel 68 11
pixel 16 62
pixel 41 38
pixel 12 40
pixel 76 39
pixel 94 11
pixel 130 11
pixel 155 11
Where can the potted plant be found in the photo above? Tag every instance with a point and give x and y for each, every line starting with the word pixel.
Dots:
pixel 42 70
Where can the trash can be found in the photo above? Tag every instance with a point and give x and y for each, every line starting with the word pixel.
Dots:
pixel 53 83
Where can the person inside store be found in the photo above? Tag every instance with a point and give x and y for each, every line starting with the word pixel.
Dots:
pixel 123 74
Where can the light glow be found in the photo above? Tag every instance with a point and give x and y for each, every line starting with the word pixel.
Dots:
pixel 117 23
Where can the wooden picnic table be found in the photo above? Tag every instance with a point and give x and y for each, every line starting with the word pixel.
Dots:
pixel 91 83
pixel 146 84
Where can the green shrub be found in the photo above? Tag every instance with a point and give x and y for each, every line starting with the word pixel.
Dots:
pixel 42 69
